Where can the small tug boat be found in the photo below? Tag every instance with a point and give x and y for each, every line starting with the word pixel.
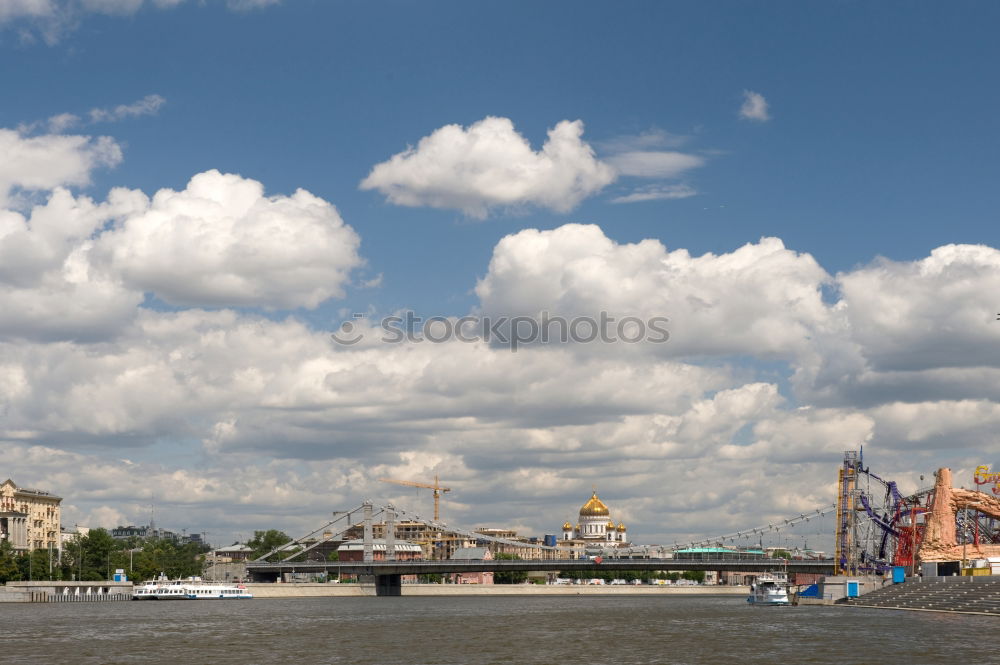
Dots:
pixel 769 589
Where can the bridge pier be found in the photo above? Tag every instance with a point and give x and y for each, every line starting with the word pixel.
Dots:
pixel 388 585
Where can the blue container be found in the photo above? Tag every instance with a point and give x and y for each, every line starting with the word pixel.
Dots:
pixel 550 540
pixel 898 574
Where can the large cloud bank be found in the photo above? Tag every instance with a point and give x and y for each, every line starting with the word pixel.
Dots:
pixel 539 426
pixel 161 337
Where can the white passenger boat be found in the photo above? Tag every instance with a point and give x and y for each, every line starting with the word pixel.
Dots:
pixel 769 589
pixel 189 590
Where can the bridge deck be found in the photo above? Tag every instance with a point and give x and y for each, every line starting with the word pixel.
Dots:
pixel 819 566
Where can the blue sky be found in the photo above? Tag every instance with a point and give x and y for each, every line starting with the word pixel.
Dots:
pixel 879 139
pixel 883 129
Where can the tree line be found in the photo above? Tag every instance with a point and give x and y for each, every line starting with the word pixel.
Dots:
pixel 96 556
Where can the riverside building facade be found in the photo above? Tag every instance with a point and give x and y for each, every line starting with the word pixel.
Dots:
pixel 29 518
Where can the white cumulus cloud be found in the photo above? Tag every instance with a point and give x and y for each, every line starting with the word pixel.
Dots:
pixel 761 298
pixel 222 242
pixel 34 163
pixel 50 285
pixel 939 311
pixel 76 269
pixel 754 107
pixel 915 331
pixel 489 165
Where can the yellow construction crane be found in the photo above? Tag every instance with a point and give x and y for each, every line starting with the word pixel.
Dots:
pixel 438 490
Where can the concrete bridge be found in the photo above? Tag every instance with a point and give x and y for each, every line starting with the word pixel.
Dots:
pixel 388 574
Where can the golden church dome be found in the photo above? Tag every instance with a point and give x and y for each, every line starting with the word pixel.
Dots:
pixel 611 525
pixel 594 508
pixel 567 526
pixel 621 526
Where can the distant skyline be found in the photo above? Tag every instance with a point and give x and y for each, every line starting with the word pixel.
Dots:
pixel 195 195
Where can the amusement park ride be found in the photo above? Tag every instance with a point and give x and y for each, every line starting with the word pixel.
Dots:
pixel 878 527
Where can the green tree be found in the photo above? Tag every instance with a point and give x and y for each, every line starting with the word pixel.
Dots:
pixel 35 565
pixel 781 554
pixel 511 576
pixel 167 557
pixel 97 555
pixel 97 550
pixel 87 557
pixel 266 541
pixel 694 575
pixel 9 571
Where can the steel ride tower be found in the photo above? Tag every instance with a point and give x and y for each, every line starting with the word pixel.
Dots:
pixel 846 481
pixel 876 526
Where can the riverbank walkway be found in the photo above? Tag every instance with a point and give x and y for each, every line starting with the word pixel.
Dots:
pixel 970 594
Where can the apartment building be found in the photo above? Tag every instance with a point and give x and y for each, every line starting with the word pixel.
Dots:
pixel 29 518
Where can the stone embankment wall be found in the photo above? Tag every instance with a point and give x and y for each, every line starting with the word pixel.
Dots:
pixel 14 596
pixel 305 590
pixel 64 592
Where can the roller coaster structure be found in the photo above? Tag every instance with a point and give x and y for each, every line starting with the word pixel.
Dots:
pixel 877 527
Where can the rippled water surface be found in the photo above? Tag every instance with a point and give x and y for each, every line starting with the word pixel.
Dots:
pixel 448 630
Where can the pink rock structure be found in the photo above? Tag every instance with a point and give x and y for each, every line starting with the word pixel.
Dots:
pixel 940 542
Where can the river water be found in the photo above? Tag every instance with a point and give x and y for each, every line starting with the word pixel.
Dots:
pixel 460 630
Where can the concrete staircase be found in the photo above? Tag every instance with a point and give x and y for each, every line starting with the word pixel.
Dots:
pixel 945 594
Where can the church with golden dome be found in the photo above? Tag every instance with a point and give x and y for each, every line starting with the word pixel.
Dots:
pixel 594 526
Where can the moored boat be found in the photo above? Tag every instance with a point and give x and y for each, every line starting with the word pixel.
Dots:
pixel 193 589
pixel 769 589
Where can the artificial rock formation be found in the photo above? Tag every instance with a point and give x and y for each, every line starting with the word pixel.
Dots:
pixel 940 542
